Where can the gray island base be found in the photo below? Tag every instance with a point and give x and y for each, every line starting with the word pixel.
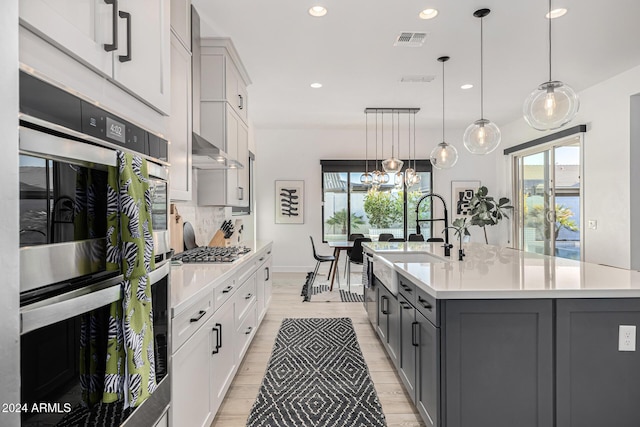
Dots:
pixel 505 338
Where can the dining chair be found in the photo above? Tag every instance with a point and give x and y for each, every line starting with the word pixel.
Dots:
pixel 385 237
pixel 355 256
pixel 320 259
pixel 416 237
pixel 435 239
pixel 396 239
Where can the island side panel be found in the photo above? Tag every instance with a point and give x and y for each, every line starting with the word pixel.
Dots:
pixel 498 363
pixel 597 385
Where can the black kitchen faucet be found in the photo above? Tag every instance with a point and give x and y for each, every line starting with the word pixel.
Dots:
pixel 447 246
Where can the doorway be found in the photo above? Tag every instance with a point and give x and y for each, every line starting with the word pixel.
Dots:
pixel 548 193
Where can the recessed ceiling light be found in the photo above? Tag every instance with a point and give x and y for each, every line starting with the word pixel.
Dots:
pixel 466 86
pixel 316 85
pixel 428 14
pixel 317 11
pixel 556 13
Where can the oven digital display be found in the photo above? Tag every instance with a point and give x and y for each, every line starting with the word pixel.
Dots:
pixel 116 130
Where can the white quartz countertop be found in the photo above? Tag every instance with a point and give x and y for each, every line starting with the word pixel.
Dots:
pixel 189 282
pixel 491 272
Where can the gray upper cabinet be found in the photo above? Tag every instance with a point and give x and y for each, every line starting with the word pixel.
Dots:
pixel 129 45
pixel 180 121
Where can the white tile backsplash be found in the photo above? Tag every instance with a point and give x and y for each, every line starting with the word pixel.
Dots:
pixel 206 220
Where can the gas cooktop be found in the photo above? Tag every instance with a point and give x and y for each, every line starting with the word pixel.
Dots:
pixel 211 254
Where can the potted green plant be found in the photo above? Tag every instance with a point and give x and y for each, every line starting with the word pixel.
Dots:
pixel 485 210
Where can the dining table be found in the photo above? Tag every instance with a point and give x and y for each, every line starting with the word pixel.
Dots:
pixel 338 246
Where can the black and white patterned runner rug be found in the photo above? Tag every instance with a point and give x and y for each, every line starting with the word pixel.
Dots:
pixel 316 377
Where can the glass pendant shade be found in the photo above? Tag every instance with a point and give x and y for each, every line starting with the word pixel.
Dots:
pixel 366 178
pixel 552 105
pixel 409 175
pixel 482 137
pixel 444 156
pixel 384 178
pixel 392 165
pixel 398 179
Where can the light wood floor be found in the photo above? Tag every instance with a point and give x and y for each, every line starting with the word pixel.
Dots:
pixel 287 302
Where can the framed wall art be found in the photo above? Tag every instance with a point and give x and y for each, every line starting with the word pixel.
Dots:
pixel 461 194
pixel 289 202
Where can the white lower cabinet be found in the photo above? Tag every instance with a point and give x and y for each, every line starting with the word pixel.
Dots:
pixel 192 379
pixel 209 348
pixel 223 358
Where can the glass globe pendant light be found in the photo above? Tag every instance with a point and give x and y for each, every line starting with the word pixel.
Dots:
pixel 482 136
pixel 410 172
pixel 552 104
pixel 443 156
pixel 366 177
pixel 392 165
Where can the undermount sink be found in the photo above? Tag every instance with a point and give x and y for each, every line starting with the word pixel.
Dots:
pixel 383 266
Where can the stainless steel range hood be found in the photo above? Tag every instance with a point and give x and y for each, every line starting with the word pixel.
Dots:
pixel 205 154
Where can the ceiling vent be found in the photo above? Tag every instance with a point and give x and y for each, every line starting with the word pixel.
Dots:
pixel 410 39
pixel 417 79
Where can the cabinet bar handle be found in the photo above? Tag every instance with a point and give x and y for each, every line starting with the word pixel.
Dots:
pixel 241 104
pixel 405 305
pixel 406 288
pixel 199 316
pixel 261 259
pixel 249 329
pixel 266 269
pixel 219 343
pixel 109 47
pixel 248 296
pixel 382 308
pixel 269 253
pixel 414 341
pixel 227 289
pixel 127 57
pixel 216 349
pixel 424 303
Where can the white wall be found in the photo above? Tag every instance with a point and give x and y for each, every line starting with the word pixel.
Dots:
pixel 9 261
pixel 605 107
pixel 295 154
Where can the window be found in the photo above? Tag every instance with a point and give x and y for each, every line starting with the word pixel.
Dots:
pixel 351 207
pixel 547 186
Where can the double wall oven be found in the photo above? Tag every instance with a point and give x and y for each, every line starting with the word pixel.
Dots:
pixel 66 147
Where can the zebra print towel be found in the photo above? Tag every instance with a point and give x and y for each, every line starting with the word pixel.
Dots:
pixel 130 369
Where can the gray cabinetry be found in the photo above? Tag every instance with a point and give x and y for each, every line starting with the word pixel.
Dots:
pixel 389 322
pixel 407 362
pixel 499 363
pixel 597 385
pixel 428 375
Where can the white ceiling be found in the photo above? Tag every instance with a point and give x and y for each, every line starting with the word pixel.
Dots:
pixel 350 51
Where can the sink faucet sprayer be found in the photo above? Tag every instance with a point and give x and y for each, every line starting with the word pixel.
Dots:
pixel 447 246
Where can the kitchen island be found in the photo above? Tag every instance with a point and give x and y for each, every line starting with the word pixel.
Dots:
pixel 507 338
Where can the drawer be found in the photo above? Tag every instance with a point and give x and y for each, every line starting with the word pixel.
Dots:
pixel 428 306
pixel 247 269
pixel 223 291
pixel 186 323
pixel 245 297
pixel 407 289
pixel 246 331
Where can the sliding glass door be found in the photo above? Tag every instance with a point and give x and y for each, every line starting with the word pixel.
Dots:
pixel 548 192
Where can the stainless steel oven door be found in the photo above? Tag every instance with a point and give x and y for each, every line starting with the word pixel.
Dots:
pixel 50 348
pixel 55 170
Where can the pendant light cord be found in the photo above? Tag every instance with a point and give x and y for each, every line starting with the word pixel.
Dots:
pixel 414 141
pixel 443 101
pixel 549 18
pixel 376 140
pixel 481 70
pixel 393 131
pixel 366 144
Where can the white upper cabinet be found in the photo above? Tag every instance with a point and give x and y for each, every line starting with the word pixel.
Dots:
pixel 180 122
pixel 127 41
pixel 181 21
